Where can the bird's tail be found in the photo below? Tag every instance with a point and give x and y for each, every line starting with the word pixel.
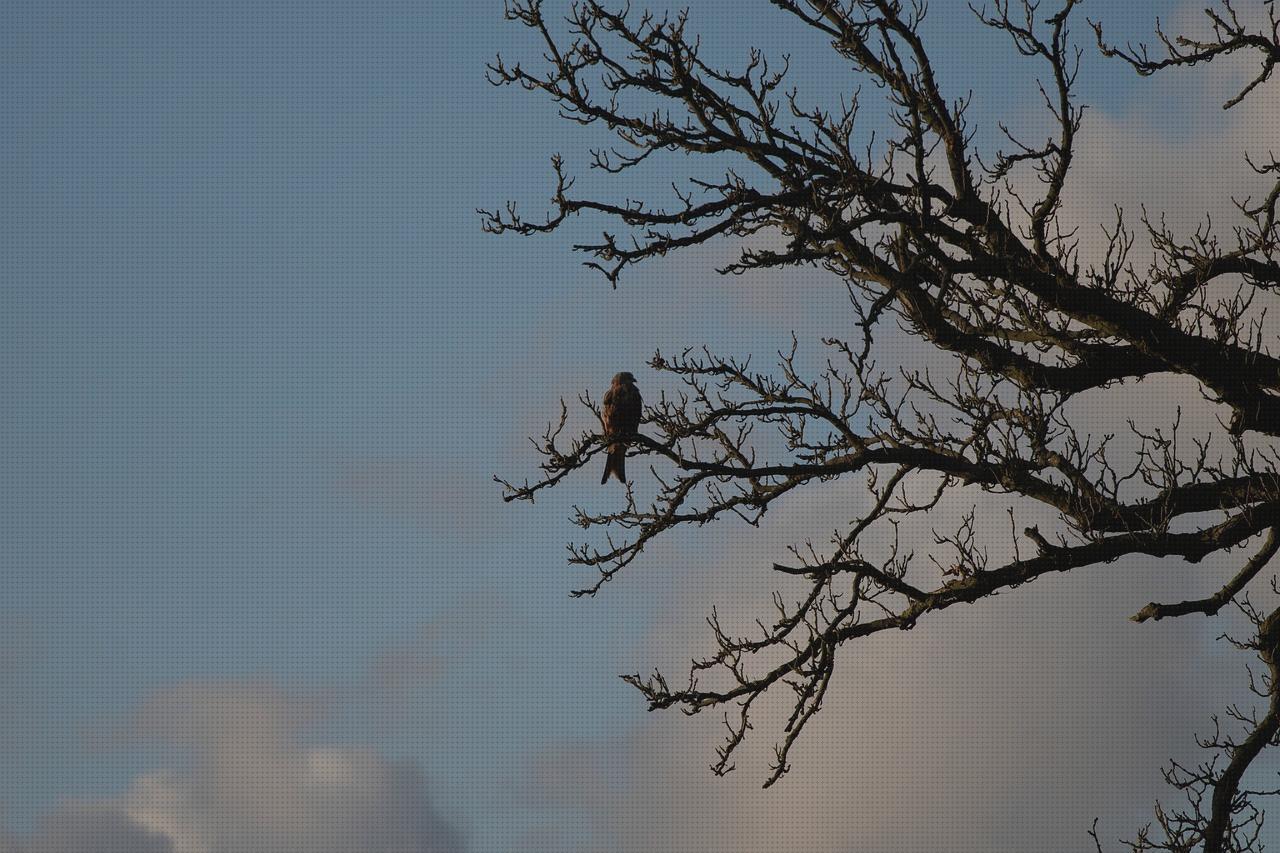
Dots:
pixel 615 463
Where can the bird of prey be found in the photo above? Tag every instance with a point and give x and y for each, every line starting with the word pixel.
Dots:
pixel 621 420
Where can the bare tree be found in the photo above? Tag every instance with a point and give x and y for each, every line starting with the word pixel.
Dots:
pixel 931 239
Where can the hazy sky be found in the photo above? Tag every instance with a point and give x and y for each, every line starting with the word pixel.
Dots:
pixel 259 367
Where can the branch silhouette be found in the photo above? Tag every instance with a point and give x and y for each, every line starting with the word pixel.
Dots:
pixel 923 232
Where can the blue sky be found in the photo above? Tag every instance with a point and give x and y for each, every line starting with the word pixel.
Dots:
pixel 260 364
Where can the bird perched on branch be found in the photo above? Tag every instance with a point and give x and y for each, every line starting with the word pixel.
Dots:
pixel 621 420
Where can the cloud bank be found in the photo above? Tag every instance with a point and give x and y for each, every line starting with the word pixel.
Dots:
pixel 249 784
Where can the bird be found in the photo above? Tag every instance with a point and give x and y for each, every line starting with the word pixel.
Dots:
pixel 621 420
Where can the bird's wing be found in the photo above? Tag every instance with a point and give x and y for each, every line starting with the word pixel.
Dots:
pixel 627 410
pixel 609 412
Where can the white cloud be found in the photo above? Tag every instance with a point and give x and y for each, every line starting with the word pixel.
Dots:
pixel 76 828
pixel 1005 725
pixel 250 785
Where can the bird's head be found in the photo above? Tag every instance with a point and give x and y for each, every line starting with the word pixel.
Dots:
pixel 623 378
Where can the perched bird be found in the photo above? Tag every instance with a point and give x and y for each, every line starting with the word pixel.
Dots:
pixel 621 420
